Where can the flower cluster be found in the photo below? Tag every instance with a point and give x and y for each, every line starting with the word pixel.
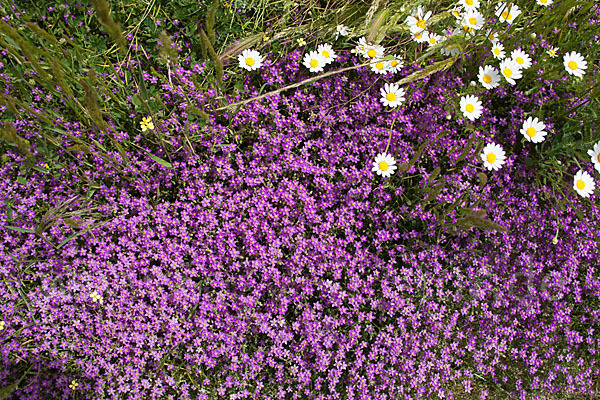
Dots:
pixel 267 259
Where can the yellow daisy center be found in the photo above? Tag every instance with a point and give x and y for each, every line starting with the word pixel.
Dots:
pixel 418 35
pixel 469 2
pixel 573 65
pixel 507 72
pixel 497 51
pixel 543 1
pixel 325 54
pixel 487 78
pixel 421 23
pixel 552 52
pixel 598 157
pixel 314 63
pixel 466 28
pixel 432 40
pixel 371 53
pixel 379 65
pixel 491 37
pixel 390 96
pixel 520 60
pixel 506 15
pixel 383 166
pixel 473 21
pixel 491 158
pixel 580 184
pixel 531 132
pixel 394 63
pixel 470 108
pixel 250 61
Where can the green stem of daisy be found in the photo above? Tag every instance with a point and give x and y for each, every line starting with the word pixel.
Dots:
pixel 390 136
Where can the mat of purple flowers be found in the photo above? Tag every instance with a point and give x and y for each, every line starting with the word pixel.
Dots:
pixel 271 262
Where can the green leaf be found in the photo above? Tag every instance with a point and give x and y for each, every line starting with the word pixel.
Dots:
pixel 22 180
pixel 16 228
pixel 136 100
pixel 7 390
pixel 161 161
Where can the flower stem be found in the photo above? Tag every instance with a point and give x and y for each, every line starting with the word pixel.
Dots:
pixel 390 136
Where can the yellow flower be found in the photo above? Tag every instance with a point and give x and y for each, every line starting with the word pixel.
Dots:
pixel 96 297
pixel 1 325
pixel 147 124
pixel 73 385
pixel 301 42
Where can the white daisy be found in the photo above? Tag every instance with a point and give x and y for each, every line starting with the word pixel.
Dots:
pixel 456 12
pixel 492 35
pixel 342 30
pixel 552 52
pixel 521 58
pixel 380 66
pixel 493 156
pixel 583 183
pixel 595 154
pixel 471 107
pixel 510 70
pixel 373 51
pixel 450 50
pixel 250 60
pixel 489 77
pixel 473 19
pixel 392 95
pixel 507 12
pixel 498 50
pixel 396 64
pixel 419 19
pixel 361 47
pixel 327 52
pixel 533 130
pixel 384 165
pixel 314 61
pixel 419 36
pixel 575 64
pixel 434 38
pixel 469 4
pixel 544 3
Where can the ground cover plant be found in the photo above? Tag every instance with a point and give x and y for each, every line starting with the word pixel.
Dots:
pixel 314 200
